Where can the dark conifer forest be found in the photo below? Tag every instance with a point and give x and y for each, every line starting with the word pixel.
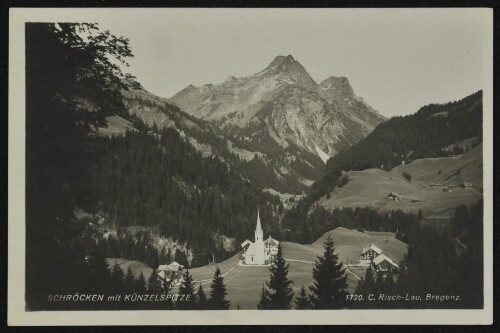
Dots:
pixel 446 262
pixel 158 180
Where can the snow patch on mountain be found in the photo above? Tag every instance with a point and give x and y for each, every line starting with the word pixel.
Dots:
pixel 324 156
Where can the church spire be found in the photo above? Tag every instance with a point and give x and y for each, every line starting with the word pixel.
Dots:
pixel 259 226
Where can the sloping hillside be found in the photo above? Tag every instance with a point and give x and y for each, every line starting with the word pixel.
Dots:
pixel 116 126
pixel 135 266
pixel 348 245
pixel 424 134
pixel 450 170
pixel 428 133
pixel 369 188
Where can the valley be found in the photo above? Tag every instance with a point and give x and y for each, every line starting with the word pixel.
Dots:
pixel 120 180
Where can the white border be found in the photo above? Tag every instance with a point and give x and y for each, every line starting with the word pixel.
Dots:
pixel 17 315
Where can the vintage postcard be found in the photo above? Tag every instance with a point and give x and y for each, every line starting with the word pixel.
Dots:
pixel 250 166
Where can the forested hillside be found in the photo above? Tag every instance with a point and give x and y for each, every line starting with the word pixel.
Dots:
pixel 404 139
pixel 401 139
pixel 159 180
pixel 286 169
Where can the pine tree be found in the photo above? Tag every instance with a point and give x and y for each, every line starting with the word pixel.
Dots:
pixel 98 276
pixel 154 282
pixel 218 292
pixel 280 293
pixel 187 291
pixel 264 300
pixel 365 287
pixel 117 278
pixel 129 281
pixel 329 290
pixel 201 299
pixel 166 287
pixel 181 258
pixel 140 284
pixel 379 283
pixel 390 285
pixel 302 300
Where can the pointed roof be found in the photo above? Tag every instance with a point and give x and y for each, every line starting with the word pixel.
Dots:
pixel 250 250
pixel 382 258
pixel 372 247
pixel 245 243
pixel 259 226
pixel 271 241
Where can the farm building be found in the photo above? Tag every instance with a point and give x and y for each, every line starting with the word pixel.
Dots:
pixel 382 263
pixel 271 246
pixel 369 253
pixel 465 184
pixel 170 272
pixel 395 196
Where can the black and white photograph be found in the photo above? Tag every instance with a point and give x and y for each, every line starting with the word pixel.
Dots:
pixel 250 165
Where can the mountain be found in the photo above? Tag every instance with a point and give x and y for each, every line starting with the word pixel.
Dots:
pixel 283 105
pixel 280 124
pixel 274 169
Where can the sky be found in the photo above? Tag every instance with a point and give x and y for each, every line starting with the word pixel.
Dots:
pixel 397 60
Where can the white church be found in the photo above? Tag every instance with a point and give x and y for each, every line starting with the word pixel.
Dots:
pixel 261 252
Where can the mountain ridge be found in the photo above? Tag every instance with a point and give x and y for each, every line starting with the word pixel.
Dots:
pixel 293 106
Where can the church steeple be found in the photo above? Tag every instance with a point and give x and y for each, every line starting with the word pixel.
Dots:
pixel 259 233
pixel 259 226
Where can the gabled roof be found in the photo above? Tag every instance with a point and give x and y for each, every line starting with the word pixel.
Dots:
pixel 372 247
pixel 250 249
pixel 271 241
pixel 382 258
pixel 174 266
pixel 245 243
pixel 175 263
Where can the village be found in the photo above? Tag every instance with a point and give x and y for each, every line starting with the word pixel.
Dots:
pixel 464 185
pixel 262 251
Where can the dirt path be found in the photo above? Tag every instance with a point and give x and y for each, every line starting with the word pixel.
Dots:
pixel 204 282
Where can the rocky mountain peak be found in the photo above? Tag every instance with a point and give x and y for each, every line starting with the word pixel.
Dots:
pixel 280 60
pixel 289 67
pixel 338 84
pixel 283 104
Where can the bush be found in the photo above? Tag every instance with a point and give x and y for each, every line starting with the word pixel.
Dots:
pixel 407 176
